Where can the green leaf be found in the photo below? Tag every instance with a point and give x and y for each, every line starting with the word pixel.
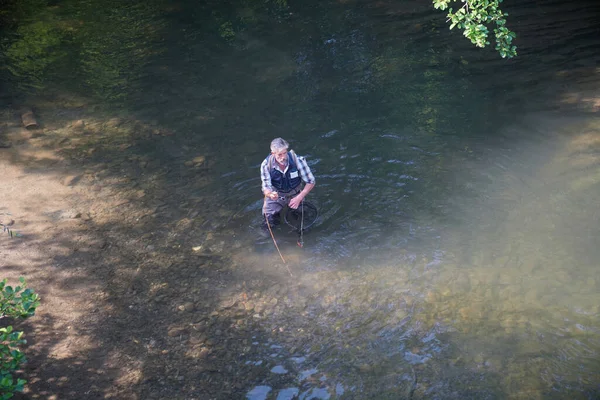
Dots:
pixel 441 4
pixel 475 17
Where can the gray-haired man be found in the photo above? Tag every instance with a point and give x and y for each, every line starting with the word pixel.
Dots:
pixel 282 174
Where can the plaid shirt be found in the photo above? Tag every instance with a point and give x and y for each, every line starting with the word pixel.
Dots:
pixel 265 174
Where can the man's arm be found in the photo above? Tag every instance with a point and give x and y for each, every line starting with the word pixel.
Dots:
pixel 307 188
pixel 305 172
pixel 309 180
pixel 265 177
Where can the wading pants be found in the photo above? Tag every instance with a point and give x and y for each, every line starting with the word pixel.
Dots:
pixel 272 208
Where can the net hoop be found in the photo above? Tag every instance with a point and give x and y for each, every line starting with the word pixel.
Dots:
pixel 293 218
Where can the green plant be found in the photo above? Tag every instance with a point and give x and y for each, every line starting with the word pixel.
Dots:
pixel 18 302
pixel 474 16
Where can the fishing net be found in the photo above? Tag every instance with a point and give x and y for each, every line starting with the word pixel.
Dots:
pixel 303 217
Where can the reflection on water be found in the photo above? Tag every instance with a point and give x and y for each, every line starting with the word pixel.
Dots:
pixel 456 251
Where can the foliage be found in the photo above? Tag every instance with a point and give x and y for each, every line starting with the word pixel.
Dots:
pixel 474 17
pixel 17 302
pixel 12 12
pixel 109 45
pixel 231 18
pixel 104 44
pixel 115 45
pixel 35 51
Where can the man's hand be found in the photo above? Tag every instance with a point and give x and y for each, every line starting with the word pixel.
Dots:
pixel 295 202
pixel 272 195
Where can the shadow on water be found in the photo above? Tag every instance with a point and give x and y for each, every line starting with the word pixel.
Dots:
pixel 454 257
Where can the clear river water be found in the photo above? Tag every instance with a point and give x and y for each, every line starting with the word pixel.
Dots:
pixel 457 250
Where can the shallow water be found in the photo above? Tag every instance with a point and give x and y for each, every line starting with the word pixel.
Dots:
pixel 456 252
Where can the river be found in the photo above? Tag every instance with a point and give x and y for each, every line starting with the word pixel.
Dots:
pixel 456 250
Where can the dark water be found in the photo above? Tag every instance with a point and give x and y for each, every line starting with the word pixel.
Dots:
pixel 456 253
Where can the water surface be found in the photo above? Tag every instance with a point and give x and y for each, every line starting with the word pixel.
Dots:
pixel 456 252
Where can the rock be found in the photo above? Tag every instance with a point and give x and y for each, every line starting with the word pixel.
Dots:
pixel 464 313
pixel 78 125
pixel 198 352
pixel 199 160
pixel 196 340
pixel 71 180
pixel 114 122
pixel 159 298
pixel 431 297
pixel 99 244
pixel 365 368
pixel 196 162
pixel 187 307
pixel 176 331
pixel 228 304
pixel 74 214
pixel 5 144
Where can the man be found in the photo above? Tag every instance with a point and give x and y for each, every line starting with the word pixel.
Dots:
pixel 282 174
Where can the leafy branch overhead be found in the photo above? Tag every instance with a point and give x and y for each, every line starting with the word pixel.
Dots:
pixel 474 18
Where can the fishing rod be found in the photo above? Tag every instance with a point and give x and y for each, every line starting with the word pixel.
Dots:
pixel 301 237
pixel 308 210
pixel 275 241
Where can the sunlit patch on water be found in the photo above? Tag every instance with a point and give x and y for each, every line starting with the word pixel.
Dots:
pixel 279 369
pixel 307 373
pixel 503 290
pixel 290 376
pixel 330 133
pixel 415 358
pixel 287 394
pixel 316 393
pixel 259 393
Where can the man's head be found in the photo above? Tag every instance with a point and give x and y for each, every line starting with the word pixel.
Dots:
pixel 279 148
